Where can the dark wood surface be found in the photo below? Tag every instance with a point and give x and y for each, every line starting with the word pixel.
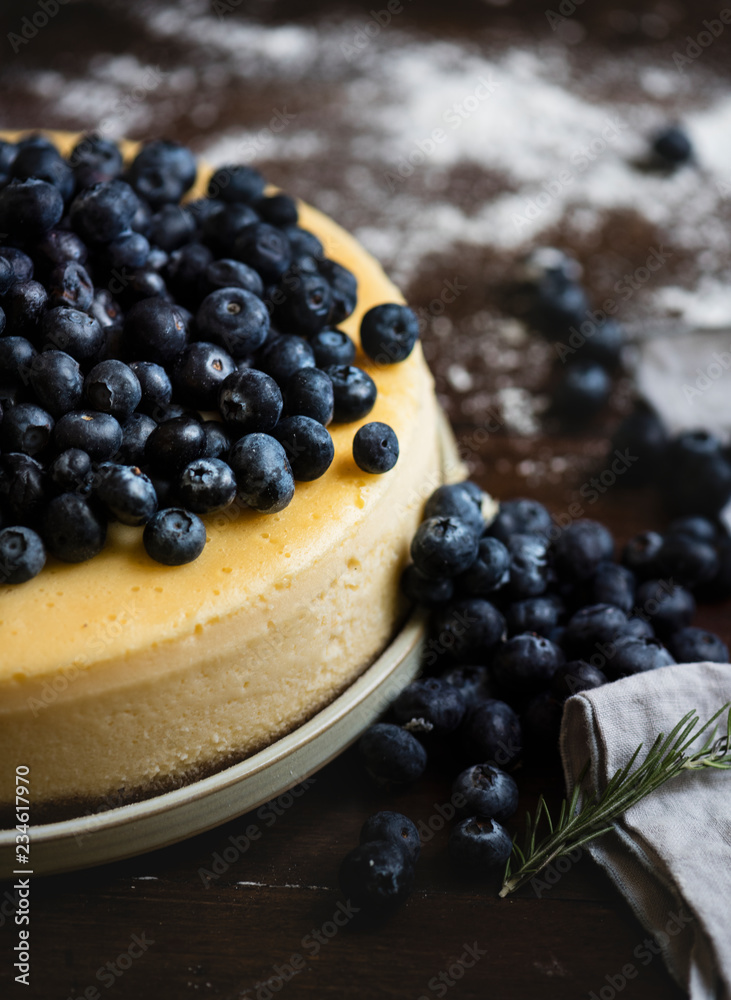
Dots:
pixel 259 917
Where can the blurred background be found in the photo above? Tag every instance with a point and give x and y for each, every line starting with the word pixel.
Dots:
pixel 452 139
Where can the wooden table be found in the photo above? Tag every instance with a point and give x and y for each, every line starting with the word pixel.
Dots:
pixel 159 926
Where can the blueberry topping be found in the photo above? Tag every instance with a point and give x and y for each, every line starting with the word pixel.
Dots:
pixel 22 554
pixel 174 536
pixel 388 333
pixel 206 485
pixel 250 400
pixel 262 472
pixel 375 448
pixel 72 528
pixel 127 494
pixel 308 446
pixel 235 319
pixel 332 347
pixel 112 387
pixel 354 392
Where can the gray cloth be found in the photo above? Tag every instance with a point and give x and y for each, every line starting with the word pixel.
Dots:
pixel 670 856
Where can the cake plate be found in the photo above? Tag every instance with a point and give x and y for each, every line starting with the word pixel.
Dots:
pixel 133 829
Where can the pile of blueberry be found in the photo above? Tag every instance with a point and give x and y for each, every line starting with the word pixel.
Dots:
pixel 160 359
pixel 522 614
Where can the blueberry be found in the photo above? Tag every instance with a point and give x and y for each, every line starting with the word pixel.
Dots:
pixel 389 332
pixel 127 494
pixel 444 546
pixel 71 471
pixel 185 273
pixel 44 163
pixel 639 628
pixel 529 568
pixel 375 448
pixel 376 876
pixel 430 706
pixel 520 517
pixel 485 791
pixel 309 393
pixel 332 347
pixel 60 246
pixel 304 244
pixel 424 590
pixel 174 444
pixel 217 440
pixel 222 227
pixel 207 485
pixel 701 529
pixel 279 210
pixel 669 607
pixel 95 160
pixel 526 663
pixel 106 310
pixel 199 372
pixel 558 303
pixel 16 359
pixel 155 329
pixel 27 428
pixel 687 560
pixel 461 500
pixel 250 400
pixel 308 446
pixel 492 733
pixel 473 681
pixel 262 472
pixel 174 536
pixel 395 828
pixel 643 437
pixel 135 431
pixel 536 614
pixel 234 319
pixel 467 629
pixel 592 627
pixel 72 331
pixel 20 263
pixel 489 572
pixel 634 656
pixel 162 172
pixel 7 279
pixel 170 227
pixel 696 645
pixel 720 586
pixel 672 147
pixel 479 844
pixel 391 754
pixel 640 554
pixel 72 529
pixel 101 213
pixel 581 547
pixel 57 382
pixel 283 355
pixel 155 386
pixel 604 344
pixel 576 676
pixel 29 208
pixel 613 584
pixel 582 390
pixel 22 555
pixel 236 182
pixel 70 285
pixel 264 248
pixel 698 476
pixel 127 251
pixel 343 291
pixel 22 487
pixel 303 303
pixel 25 305
pixel 112 387
pixel 98 434
pixel 354 392
pixel 226 273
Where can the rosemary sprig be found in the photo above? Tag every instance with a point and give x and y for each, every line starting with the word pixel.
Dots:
pixel 579 823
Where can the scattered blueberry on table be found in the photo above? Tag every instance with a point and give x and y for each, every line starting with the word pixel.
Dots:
pixel 161 359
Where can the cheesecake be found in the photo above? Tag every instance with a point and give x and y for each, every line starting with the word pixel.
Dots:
pixel 121 678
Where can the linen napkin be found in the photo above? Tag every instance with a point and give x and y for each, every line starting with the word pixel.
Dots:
pixel 671 853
